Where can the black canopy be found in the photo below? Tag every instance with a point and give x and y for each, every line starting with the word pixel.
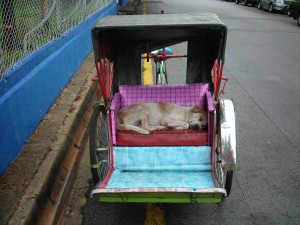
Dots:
pixel 122 40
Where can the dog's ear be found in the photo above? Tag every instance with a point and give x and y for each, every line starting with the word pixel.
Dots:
pixel 197 109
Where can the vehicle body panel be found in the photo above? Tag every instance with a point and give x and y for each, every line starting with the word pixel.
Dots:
pixel 278 5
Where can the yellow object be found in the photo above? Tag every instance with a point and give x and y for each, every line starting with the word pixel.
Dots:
pixel 155 214
pixel 148 76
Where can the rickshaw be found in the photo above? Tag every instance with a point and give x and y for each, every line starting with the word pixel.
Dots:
pixel 168 166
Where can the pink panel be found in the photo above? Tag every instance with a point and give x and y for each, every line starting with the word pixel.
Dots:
pixel 179 94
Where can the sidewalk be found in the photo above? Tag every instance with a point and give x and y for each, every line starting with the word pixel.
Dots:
pixel 26 184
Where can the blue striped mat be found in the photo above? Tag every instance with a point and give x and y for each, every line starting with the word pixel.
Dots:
pixel 162 167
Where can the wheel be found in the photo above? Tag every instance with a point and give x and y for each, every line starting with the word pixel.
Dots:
pixel 99 144
pixel 164 74
pixel 298 19
pixel 271 8
pixel 163 78
pixel 258 5
pixel 161 75
pixel 237 1
pixel 158 78
pixel 158 75
pixel 224 177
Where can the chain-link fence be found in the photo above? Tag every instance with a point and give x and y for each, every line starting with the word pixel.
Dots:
pixel 26 25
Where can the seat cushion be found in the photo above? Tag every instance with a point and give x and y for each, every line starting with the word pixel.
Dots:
pixel 163 138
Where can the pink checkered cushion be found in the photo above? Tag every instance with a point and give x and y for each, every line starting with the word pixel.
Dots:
pixel 179 94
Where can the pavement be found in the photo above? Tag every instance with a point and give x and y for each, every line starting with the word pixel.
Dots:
pixel 27 183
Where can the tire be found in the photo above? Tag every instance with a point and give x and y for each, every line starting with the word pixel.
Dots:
pixel 158 76
pixel 164 79
pixel 158 79
pixel 271 9
pixel 165 74
pixel 161 79
pixel 258 5
pixel 99 144
pixel 237 1
pixel 228 182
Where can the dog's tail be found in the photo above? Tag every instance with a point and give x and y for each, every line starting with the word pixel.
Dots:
pixel 121 126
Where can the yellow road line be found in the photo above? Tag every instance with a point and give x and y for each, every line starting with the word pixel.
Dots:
pixel 144 8
pixel 155 214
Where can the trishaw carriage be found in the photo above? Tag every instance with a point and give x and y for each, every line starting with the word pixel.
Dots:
pixel 169 165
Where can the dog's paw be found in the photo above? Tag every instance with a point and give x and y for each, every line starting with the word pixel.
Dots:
pixel 145 132
pixel 163 128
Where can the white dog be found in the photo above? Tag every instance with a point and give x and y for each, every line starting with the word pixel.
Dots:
pixel 146 117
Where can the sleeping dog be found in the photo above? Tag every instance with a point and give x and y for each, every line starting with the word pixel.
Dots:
pixel 146 117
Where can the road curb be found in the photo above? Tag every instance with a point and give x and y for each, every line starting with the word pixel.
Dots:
pixel 79 93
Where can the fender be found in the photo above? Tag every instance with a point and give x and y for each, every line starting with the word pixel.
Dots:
pixel 228 134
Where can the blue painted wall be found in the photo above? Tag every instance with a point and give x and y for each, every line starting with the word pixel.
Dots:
pixel 30 90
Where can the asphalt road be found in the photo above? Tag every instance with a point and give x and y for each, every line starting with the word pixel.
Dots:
pixel 262 64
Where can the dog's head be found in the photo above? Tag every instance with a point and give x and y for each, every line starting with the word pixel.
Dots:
pixel 197 118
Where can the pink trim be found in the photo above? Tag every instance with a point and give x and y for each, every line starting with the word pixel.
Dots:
pixel 115 108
